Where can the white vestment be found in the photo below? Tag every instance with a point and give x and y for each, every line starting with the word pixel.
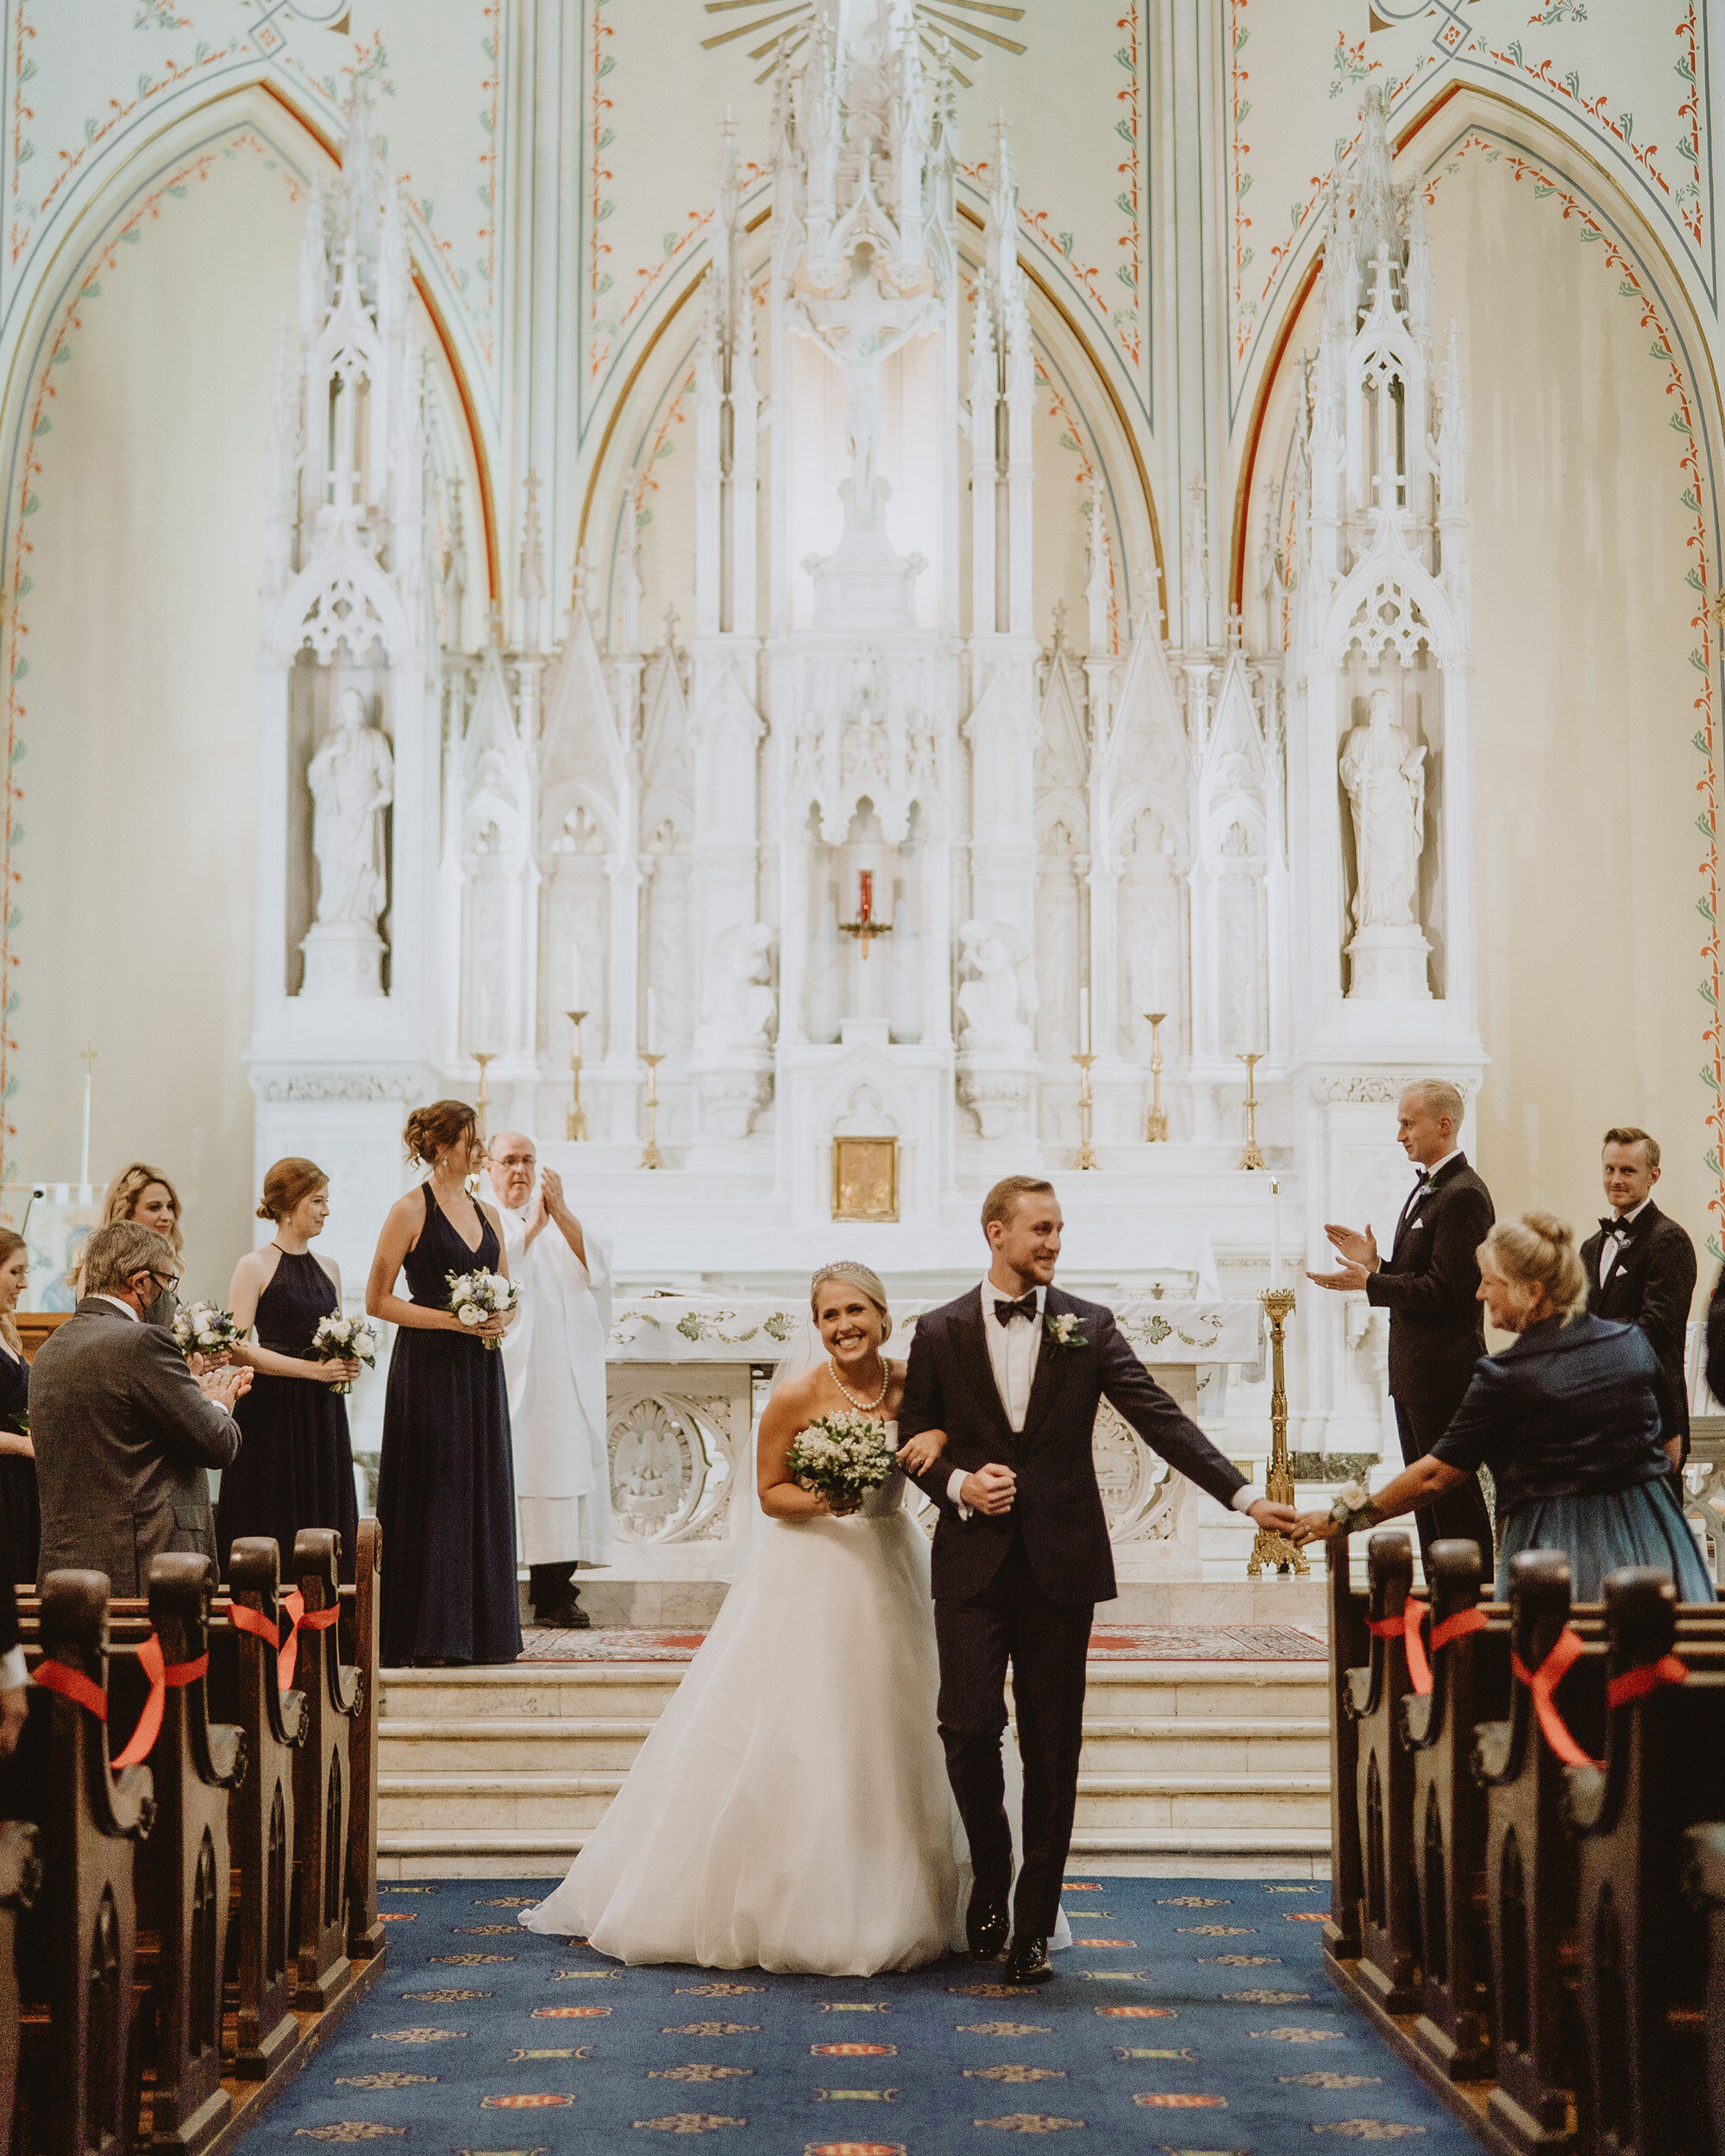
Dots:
pixel 553 1363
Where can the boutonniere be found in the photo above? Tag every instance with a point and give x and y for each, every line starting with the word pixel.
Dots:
pixel 1063 1330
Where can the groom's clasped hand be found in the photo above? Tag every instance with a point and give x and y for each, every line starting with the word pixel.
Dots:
pixel 990 1489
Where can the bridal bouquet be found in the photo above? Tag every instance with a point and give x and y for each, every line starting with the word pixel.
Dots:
pixel 340 1339
pixel 473 1297
pixel 842 1458
pixel 205 1328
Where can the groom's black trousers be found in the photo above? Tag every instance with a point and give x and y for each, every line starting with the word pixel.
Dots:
pixel 1012 1621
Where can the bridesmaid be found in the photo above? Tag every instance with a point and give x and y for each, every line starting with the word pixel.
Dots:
pixel 143 1193
pixel 21 1519
pixel 296 1465
pixel 446 1486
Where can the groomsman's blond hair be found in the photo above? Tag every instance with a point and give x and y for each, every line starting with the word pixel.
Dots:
pixel 1002 1201
pixel 1440 1097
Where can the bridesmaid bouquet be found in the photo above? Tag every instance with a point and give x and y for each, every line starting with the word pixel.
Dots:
pixel 340 1339
pixel 205 1328
pixel 473 1297
pixel 842 1458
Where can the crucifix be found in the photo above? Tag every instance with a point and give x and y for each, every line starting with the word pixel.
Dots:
pixel 861 332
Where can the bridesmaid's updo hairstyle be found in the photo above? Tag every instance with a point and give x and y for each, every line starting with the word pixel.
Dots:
pixel 1537 1251
pixel 435 1130
pixel 288 1182
pixel 858 1277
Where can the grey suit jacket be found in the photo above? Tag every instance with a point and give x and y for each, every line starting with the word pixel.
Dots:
pixel 122 1437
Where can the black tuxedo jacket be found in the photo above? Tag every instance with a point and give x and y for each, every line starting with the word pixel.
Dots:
pixel 1429 1284
pixel 950 1386
pixel 1651 1285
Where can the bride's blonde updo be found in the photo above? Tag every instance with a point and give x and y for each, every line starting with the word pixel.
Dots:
pixel 1537 1251
pixel 859 1276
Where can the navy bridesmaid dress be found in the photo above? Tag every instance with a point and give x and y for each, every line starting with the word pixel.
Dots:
pixel 296 1463
pixel 446 1483
pixel 21 1519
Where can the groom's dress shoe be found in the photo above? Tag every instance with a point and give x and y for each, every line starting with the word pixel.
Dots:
pixel 1027 1961
pixel 985 1927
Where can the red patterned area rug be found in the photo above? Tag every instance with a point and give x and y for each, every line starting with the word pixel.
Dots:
pixel 1108 1643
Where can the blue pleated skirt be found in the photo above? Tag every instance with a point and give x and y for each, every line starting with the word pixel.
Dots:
pixel 1599 1533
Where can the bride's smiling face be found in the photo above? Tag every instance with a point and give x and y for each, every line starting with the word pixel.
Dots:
pixel 850 1327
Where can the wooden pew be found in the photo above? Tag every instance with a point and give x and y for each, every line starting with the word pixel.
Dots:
pixel 321 1780
pixel 1705 1883
pixel 245 1672
pixel 80 1939
pixel 1469 1661
pixel 361 1645
pixel 1349 1644
pixel 1372 1699
pixel 1642 1947
pixel 21 1880
pixel 184 1877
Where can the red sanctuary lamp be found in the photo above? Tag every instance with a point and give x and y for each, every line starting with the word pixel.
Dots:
pixel 865 927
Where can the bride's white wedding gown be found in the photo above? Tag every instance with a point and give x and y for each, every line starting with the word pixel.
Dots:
pixel 790 1808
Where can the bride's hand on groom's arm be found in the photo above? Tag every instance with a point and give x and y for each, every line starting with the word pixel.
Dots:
pixel 917 1454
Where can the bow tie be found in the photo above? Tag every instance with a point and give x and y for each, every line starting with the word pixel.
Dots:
pixel 1024 1307
pixel 1625 1228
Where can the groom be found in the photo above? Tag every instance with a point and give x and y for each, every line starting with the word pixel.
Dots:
pixel 1012 1372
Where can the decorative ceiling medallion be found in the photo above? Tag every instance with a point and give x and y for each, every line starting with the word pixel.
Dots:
pixel 788 27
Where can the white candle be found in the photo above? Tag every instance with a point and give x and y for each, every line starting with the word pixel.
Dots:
pixel 1083 1021
pixel 1275 1234
pixel 84 1148
pixel 1156 1002
pixel 483 1042
pixel 575 976
pixel 652 1021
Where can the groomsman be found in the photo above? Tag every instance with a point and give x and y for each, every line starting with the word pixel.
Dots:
pixel 1429 1284
pixel 1641 1265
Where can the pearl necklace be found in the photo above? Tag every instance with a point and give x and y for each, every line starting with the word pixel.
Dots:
pixel 867 1406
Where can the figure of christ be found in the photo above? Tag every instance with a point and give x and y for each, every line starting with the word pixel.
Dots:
pixel 861 332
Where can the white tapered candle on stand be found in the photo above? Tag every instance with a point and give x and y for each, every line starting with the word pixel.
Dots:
pixel 1275 1235
pixel 575 976
pixel 1084 1021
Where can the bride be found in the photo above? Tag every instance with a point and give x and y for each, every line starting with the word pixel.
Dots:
pixel 790 1809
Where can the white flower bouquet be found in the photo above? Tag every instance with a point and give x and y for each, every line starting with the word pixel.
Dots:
pixel 340 1339
pixel 475 1296
pixel 842 1458
pixel 205 1328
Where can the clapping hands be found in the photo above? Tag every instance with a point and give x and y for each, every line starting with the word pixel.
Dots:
pixel 225 1386
pixel 1358 1256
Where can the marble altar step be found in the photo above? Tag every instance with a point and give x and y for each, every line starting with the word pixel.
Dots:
pixel 1186 1765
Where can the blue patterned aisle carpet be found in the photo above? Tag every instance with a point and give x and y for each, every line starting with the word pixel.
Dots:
pixel 1192 2018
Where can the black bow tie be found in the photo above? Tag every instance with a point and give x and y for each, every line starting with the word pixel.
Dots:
pixel 1024 1307
pixel 1625 1228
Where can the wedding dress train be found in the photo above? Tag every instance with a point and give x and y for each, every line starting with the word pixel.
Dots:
pixel 790 1809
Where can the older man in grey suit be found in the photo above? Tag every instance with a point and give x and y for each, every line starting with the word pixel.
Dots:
pixel 123 1432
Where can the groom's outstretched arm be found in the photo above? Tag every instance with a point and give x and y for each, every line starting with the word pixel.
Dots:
pixel 1158 1420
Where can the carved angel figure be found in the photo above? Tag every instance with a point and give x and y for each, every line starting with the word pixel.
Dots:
pixel 994 998
pixel 1386 776
pixel 739 1005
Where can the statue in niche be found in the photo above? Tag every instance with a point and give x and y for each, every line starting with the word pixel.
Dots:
pixel 993 1001
pixel 861 331
pixel 1384 774
pixel 739 1004
pixel 352 780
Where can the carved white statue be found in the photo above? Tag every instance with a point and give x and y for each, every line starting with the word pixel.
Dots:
pixel 1386 776
pixel 861 331
pixel 352 780
pixel 739 1005
pixel 992 1001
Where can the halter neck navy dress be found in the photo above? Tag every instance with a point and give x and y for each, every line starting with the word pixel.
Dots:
pixel 446 1484
pixel 296 1465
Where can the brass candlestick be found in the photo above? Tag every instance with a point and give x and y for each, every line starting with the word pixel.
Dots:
pixel 1087 1151
pixel 1252 1156
pixel 652 1157
pixel 1156 1130
pixel 483 1057
pixel 1272 1548
pixel 576 1127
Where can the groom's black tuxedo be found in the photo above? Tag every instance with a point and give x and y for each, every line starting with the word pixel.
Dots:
pixel 1019 1588
pixel 949 1385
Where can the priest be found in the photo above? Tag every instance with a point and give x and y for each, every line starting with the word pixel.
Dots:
pixel 553 1361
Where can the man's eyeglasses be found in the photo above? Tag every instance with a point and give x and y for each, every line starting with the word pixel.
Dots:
pixel 167 1281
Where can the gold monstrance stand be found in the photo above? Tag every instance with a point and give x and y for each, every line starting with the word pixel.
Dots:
pixel 1272 1550
pixel 1156 1129
pixel 576 1127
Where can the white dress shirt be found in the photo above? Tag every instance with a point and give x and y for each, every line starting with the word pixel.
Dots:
pixel 1612 1248
pixel 1013 1349
pixel 118 1305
